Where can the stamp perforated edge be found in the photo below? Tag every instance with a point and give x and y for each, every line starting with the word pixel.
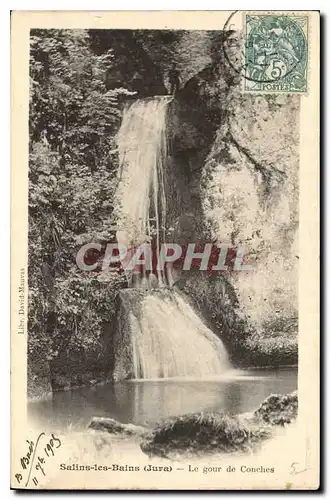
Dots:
pixel 293 13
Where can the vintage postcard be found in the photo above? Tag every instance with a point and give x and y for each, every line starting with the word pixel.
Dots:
pixel 165 250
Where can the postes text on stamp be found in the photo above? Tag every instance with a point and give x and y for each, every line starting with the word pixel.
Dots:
pixel 276 53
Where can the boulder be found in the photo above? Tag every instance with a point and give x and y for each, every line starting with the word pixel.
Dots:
pixel 112 426
pixel 203 433
pixel 279 409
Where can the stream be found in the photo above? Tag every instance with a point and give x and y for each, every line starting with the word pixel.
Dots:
pixel 146 402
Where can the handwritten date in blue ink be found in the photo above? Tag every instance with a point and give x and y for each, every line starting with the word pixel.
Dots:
pixel 35 460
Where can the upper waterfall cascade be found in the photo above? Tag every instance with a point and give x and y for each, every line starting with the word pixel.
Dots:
pixel 142 151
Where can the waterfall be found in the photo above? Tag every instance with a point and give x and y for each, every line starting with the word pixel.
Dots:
pixel 160 335
pixel 170 340
pixel 142 151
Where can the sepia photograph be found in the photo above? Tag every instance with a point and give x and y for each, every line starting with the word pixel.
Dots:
pixel 159 294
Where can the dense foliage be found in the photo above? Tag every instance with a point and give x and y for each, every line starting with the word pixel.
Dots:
pixel 72 177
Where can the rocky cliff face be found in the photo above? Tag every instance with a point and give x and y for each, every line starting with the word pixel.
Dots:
pixel 239 157
pixel 250 197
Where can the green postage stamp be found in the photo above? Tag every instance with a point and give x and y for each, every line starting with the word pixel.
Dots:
pixel 276 53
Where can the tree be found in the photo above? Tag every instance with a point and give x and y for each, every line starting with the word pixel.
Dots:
pixel 72 178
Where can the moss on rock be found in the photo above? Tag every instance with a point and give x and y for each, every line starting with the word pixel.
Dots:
pixel 278 409
pixel 203 433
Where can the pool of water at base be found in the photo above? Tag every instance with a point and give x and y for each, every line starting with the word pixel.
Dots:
pixel 149 401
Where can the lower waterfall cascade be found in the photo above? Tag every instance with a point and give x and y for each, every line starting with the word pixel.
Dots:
pixel 170 340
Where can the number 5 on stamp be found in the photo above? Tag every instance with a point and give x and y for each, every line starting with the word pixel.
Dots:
pixel 276 53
